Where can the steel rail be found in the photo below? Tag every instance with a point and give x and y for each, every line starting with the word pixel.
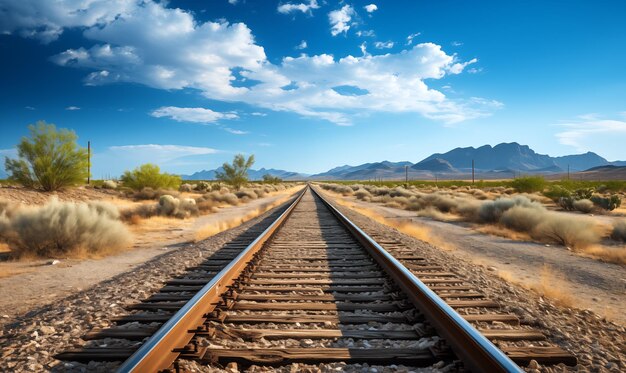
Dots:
pixel 476 351
pixel 157 353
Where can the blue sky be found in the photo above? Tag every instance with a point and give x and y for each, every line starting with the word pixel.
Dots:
pixel 309 85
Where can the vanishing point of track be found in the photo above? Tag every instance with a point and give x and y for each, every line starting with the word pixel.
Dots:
pixel 312 287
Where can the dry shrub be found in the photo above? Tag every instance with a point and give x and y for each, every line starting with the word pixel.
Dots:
pixel 551 285
pixel 149 193
pixel 435 214
pixel 500 231
pixel 491 211
pixel 583 205
pixel 606 253
pixel 109 184
pixel 179 208
pixel 619 231
pixel 362 194
pixel 479 194
pixel 185 188
pixel 222 198
pixel 64 229
pixel 400 192
pixel 246 194
pixel 572 231
pixel 522 218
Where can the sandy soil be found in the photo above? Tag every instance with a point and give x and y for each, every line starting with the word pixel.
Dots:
pixel 594 285
pixel 36 283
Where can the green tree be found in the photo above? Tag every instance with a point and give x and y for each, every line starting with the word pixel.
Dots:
pixel 529 184
pixel 149 176
pixel 269 179
pixel 237 173
pixel 49 160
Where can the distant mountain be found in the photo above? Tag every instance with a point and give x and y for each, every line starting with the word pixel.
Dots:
pixel 505 156
pixel 252 174
pixel 435 165
pixel 384 169
pixel 608 172
pixel 580 162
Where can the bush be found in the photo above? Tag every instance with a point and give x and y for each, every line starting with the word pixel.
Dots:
pixel 269 179
pixel 583 205
pixel 63 228
pixel 583 193
pixel 522 218
pixel 185 188
pixel 607 203
pixel 362 194
pixel 202 186
pixel 529 184
pixel 179 208
pixel 490 212
pixel 246 194
pixel 566 230
pixel 149 176
pixel 149 193
pixel 556 192
pixel 109 184
pixel 619 231
pixel 49 160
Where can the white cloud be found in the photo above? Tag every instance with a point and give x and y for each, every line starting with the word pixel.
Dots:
pixel 302 45
pixel 456 43
pixel 409 39
pixel 302 7
pixel 475 70
pixel 370 8
pixel 212 57
pixel 236 132
pixel 233 2
pixel 45 20
pixel 258 114
pixel 592 131
pixel 191 114
pixel 384 45
pixel 166 151
pixel 340 19
pixel 72 108
pixel 365 33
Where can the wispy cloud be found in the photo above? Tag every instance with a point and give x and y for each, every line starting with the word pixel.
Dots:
pixel 456 43
pixel 409 39
pixel 590 130
pixel 236 132
pixel 298 7
pixel 259 114
pixel 365 33
pixel 192 114
pixel 302 45
pixel 72 108
pixel 384 45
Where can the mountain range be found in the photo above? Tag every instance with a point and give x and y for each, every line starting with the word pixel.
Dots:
pixel 504 160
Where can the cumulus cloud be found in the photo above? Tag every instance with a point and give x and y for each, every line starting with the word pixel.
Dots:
pixel 45 20
pixel 340 19
pixel 370 8
pixel 300 7
pixel 302 45
pixel 384 45
pixel 590 130
pixel 191 114
pixel 169 49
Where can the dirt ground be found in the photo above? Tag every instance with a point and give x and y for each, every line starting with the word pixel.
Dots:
pixel 585 282
pixel 26 285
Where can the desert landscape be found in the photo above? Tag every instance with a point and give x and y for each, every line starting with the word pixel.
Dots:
pixel 312 186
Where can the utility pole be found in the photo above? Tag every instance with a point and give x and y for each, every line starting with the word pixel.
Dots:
pixel 472 172
pixel 88 162
pixel 568 172
pixel 406 175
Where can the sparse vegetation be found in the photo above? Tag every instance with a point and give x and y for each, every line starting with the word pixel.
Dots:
pixel 529 184
pixel 149 176
pixel 619 231
pixel 49 160
pixel 236 174
pixel 61 229
pixel 608 203
pixel 109 184
pixel 269 179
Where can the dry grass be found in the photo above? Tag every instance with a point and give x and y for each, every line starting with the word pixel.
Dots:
pixel 407 227
pixel 608 254
pixel 551 285
pixel 222 225
pixel 497 230
pixel 64 229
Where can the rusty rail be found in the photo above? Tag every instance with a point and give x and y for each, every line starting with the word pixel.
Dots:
pixel 159 352
pixel 476 351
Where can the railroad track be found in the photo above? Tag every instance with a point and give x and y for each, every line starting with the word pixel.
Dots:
pixel 312 287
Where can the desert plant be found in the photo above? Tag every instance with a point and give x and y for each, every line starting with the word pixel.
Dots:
pixel 202 186
pixel 269 179
pixel 246 194
pixel 583 193
pixel 185 188
pixel 609 203
pixel 236 174
pixel 529 184
pixel 64 228
pixel 49 160
pixel 149 176
pixel 522 218
pixel 556 192
pixel 179 208
pixel 566 203
pixel 148 193
pixel 566 230
pixel 491 211
pixel 583 205
pixel 619 231
pixel 109 184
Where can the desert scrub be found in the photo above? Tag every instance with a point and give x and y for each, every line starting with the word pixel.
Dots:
pixel 571 231
pixel 109 184
pixel 583 205
pixel 491 211
pixel 608 203
pixel 62 229
pixel 529 184
pixel 150 176
pixel 148 193
pixel 619 231
pixel 185 188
